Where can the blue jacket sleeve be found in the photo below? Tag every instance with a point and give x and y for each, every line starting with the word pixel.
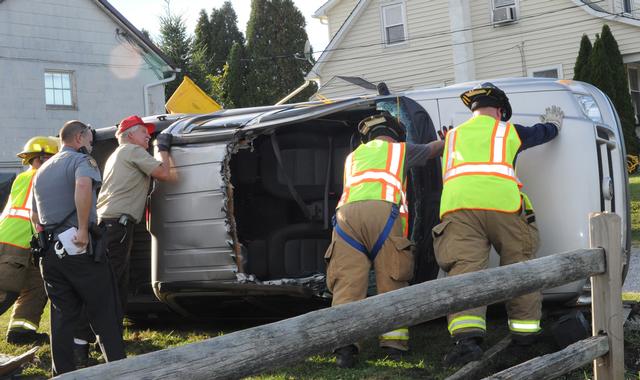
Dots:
pixel 536 134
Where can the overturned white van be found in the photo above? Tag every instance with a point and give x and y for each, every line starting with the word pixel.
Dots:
pixel 245 227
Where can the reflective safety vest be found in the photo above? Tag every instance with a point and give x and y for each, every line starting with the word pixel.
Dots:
pixel 477 167
pixel 375 171
pixel 15 222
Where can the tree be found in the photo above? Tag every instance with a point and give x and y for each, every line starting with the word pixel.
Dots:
pixel 214 37
pixel 176 44
pixel 275 33
pixel 224 33
pixel 616 86
pixel 582 62
pixel 146 34
pixel 236 70
pixel 603 67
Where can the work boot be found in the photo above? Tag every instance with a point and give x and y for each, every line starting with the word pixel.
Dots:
pixel 81 355
pixel 26 337
pixel 393 353
pixel 524 339
pixel 346 356
pixel 465 350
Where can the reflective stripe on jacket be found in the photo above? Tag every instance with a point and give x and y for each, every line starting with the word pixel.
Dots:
pixel 15 225
pixel 375 171
pixel 477 167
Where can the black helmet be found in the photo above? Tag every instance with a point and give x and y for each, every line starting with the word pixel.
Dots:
pixel 487 95
pixel 382 124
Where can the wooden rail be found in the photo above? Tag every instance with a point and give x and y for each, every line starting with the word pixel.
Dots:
pixel 282 343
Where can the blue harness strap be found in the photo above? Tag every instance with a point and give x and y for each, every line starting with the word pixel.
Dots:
pixel 381 238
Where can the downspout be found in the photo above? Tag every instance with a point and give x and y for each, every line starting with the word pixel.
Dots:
pixel 146 96
pixel 294 93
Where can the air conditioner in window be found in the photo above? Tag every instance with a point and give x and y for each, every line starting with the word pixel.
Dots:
pixel 504 15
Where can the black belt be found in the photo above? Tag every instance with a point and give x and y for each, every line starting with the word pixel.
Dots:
pixel 529 216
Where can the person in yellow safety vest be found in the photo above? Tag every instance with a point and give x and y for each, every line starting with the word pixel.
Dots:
pixel 20 281
pixel 371 223
pixel 482 206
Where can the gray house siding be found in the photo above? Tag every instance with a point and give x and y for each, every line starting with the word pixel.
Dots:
pixel 108 71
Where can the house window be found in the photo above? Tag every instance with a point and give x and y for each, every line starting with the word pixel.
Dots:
pixel 59 89
pixel 546 72
pixel 626 6
pixel 503 11
pixel 394 24
pixel 634 88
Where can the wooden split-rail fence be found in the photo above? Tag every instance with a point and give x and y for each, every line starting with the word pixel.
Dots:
pixel 259 349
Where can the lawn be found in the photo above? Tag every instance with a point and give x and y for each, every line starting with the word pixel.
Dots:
pixel 429 343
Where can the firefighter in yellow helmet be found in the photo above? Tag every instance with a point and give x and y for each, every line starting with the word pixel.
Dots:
pixel 20 281
pixel 371 225
pixel 482 206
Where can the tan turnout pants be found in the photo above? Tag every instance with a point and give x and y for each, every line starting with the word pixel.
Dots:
pixel 348 269
pixel 19 275
pixel 462 243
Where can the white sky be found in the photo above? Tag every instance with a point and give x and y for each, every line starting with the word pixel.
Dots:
pixel 145 14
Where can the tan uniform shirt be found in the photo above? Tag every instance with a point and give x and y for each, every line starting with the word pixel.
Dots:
pixel 126 182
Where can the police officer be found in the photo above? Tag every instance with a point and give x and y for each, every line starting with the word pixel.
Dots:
pixel 122 197
pixel 371 223
pixel 20 281
pixel 482 206
pixel 64 198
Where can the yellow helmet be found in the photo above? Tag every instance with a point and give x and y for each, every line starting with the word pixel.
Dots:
pixel 37 146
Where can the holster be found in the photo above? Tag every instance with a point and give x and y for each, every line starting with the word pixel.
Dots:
pixel 97 244
pixel 38 245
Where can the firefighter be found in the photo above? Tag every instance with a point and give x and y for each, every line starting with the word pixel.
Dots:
pixel 482 206
pixel 20 282
pixel 371 223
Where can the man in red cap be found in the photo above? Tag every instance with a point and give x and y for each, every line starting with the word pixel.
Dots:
pixel 126 180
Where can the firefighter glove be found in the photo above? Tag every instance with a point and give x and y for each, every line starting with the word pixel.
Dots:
pixel 444 131
pixel 553 115
pixel 163 140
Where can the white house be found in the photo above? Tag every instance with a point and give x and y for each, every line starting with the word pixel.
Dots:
pixel 72 59
pixel 413 44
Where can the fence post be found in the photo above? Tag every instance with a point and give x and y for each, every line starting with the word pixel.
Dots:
pixel 606 295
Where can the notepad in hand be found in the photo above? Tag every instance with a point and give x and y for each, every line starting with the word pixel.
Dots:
pixel 66 239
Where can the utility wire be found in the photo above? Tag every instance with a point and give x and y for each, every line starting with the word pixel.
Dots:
pixel 448 45
pixel 430 35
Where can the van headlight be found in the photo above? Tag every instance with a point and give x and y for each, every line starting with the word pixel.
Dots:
pixel 589 107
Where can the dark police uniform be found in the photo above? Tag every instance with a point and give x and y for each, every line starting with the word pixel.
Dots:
pixel 74 282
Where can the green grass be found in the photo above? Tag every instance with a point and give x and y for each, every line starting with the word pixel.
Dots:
pixel 429 343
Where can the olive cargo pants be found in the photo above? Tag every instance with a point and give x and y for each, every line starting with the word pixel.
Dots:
pixel 22 287
pixel 462 243
pixel 348 269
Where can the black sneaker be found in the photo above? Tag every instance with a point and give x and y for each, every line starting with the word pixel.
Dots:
pixel 26 337
pixel 346 356
pixel 81 355
pixel 464 351
pixel 393 353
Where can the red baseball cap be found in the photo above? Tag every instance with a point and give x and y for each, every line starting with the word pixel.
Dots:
pixel 132 121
